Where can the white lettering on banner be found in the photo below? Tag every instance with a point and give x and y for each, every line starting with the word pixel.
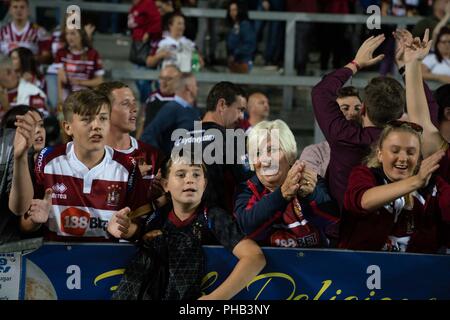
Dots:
pixel 374 21
pixel 374 280
pixel 74 279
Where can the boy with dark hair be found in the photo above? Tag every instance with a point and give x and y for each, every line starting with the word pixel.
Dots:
pixel 85 181
pixel 349 140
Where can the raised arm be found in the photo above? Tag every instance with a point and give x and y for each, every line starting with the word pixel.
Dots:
pixel 326 110
pixel 416 100
pixel 22 186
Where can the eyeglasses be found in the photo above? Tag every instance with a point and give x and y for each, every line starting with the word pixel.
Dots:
pixel 412 125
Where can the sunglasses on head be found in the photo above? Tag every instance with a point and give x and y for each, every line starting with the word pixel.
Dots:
pixel 412 125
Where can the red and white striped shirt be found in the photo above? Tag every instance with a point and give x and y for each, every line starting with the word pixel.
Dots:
pixel 85 199
pixel 32 37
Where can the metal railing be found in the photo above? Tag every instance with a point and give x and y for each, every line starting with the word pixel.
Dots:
pixel 287 81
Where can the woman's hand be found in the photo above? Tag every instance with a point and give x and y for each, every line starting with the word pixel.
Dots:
pixel 40 209
pixel 307 183
pixel 291 184
pixel 428 166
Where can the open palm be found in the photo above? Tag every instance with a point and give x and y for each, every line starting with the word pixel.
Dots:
pixel 418 49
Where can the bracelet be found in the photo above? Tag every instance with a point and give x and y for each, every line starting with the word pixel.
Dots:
pixel 402 71
pixel 356 65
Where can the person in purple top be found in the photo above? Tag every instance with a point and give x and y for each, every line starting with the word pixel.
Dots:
pixel 384 100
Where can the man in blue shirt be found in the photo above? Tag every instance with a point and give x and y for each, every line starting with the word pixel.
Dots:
pixel 177 114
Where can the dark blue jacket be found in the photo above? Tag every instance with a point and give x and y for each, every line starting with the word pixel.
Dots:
pixel 258 209
pixel 242 44
pixel 171 117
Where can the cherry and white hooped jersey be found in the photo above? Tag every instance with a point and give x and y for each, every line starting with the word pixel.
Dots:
pixel 84 200
pixel 32 37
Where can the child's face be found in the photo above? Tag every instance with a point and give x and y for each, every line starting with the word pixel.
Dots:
pixel 39 137
pixel 89 132
pixel 186 183
pixel 399 155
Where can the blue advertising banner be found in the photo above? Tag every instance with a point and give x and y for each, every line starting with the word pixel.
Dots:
pixel 92 271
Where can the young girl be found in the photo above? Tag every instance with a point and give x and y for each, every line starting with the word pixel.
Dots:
pixel 26 67
pixel 177 233
pixel 392 203
pixel 79 65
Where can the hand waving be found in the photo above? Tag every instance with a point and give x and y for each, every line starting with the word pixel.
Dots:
pixel 364 56
pixel 418 49
pixel 26 127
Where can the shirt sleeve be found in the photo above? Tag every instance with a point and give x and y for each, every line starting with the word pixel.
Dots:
pixel 253 214
pixel 224 228
pixel 361 179
pixel 328 114
pixel 44 40
pixel 430 61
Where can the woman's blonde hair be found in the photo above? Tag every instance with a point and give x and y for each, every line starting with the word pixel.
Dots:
pixel 277 129
pixel 372 160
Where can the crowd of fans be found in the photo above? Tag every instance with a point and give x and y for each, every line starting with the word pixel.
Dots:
pixel 99 168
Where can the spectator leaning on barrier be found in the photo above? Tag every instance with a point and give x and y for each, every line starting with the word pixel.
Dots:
pixel 274 206
pixel 241 39
pixel 9 222
pixel 177 114
pixel 20 32
pixel 390 203
pixel 317 156
pixel 172 243
pixel 349 140
pixel 83 183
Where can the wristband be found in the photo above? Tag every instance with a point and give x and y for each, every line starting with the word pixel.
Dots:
pixel 356 65
pixel 402 71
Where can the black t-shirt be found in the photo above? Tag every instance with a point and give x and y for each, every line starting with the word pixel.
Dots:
pixel 227 169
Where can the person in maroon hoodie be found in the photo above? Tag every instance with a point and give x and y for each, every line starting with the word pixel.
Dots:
pixel 392 201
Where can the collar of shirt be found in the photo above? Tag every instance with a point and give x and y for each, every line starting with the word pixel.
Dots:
pixel 182 102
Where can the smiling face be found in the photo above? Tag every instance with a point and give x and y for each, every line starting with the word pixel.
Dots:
pixel 399 155
pixel 350 107
pixel 271 167
pixel 123 112
pixel 186 184
pixel 89 131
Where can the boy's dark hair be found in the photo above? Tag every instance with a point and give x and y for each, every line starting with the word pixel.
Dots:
pixel 84 102
pixel 442 96
pixel 348 91
pixel 106 88
pixel 384 100
pixel 173 15
pixel 10 116
pixel 223 90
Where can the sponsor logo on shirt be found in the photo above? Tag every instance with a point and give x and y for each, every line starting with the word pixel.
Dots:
pixel 76 222
pixel 58 191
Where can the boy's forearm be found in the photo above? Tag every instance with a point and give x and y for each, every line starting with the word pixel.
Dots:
pixel 22 187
